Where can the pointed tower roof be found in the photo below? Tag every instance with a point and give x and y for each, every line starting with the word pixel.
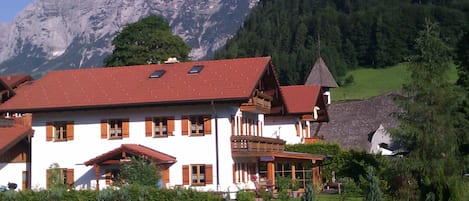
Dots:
pixel 320 75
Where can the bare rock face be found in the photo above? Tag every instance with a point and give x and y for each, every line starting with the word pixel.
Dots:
pixel 62 34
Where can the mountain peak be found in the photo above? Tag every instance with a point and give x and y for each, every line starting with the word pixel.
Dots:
pixel 60 34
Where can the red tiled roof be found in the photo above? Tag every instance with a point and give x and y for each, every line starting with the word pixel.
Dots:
pixel 15 80
pixel 136 150
pixel 10 136
pixel 230 79
pixel 300 98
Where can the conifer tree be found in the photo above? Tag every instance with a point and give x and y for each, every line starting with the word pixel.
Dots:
pixel 374 192
pixel 428 124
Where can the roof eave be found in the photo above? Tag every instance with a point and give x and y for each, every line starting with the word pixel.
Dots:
pixel 126 105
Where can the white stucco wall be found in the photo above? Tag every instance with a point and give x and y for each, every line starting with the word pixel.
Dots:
pixel 283 127
pixel 380 136
pixel 13 173
pixel 88 144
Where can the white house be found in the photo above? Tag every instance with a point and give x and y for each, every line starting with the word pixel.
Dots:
pixel 203 123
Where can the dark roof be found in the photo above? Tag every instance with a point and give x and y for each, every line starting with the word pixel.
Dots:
pixel 320 75
pixel 300 99
pixel 230 79
pixel 351 122
pixel 136 150
pixel 10 136
pixel 15 80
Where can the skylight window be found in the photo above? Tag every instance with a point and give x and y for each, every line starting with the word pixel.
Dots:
pixel 157 73
pixel 195 69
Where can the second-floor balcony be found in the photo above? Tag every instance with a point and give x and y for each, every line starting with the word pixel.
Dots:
pixel 251 144
pixel 259 103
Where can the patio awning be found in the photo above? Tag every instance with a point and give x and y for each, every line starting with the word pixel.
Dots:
pixel 122 154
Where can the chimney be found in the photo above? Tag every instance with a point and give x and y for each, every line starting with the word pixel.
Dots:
pixel 171 60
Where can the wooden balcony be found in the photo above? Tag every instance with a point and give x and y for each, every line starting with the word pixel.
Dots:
pixel 256 144
pixel 260 103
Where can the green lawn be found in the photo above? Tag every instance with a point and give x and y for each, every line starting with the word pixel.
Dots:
pixel 373 82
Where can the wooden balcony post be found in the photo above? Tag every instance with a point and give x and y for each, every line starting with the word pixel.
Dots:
pixel 271 171
pixel 98 175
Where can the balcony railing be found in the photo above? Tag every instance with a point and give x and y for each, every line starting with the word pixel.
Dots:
pixel 259 103
pixel 256 144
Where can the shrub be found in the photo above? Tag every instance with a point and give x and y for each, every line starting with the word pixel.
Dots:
pixel 130 192
pixel 245 196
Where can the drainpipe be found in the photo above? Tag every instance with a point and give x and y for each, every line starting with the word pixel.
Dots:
pixel 216 146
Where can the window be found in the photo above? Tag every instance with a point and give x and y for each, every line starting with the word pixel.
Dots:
pixel 157 74
pixel 195 69
pixel 197 125
pixel 59 176
pixel 197 174
pixel 115 128
pixel 59 131
pixel 302 129
pixel 159 126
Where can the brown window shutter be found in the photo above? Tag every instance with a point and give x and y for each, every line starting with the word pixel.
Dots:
pixel 297 125
pixel 49 130
pixel 70 177
pixel 70 130
pixel 170 125
pixel 125 128
pixel 208 174
pixel 258 125
pixel 185 125
pixel 260 130
pixel 233 125
pixel 148 127
pixel 241 125
pixel 248 126
pixel 185 175
pixel 104 129
pixel 165 177
pixel 107 175
pixel 207 125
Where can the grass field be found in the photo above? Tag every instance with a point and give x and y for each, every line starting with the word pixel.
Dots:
pixel 373 82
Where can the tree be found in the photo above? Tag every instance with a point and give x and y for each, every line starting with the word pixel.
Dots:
pixel 428 124
pixel 140 171
pixel 463 82
pixel 374 192
pixel 148 40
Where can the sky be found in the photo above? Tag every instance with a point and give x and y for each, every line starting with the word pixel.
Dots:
pixel 9 9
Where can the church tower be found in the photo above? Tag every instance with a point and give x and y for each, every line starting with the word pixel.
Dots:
pixel 320 75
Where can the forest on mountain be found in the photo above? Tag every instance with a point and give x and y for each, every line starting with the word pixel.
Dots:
pixel 346 34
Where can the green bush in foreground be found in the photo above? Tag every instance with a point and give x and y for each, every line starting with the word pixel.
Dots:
pixel 129 192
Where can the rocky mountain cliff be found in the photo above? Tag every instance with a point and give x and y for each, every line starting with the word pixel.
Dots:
pixel 62 34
